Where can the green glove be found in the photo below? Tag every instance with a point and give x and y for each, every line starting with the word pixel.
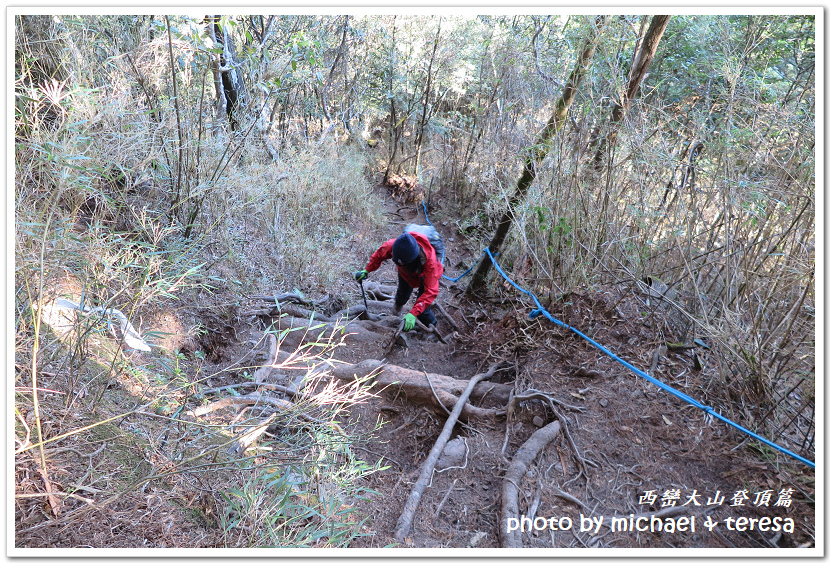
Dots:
pixel 408 322
pixel 360 275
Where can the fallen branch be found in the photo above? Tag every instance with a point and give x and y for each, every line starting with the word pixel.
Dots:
pixel 446 315
pixel 444 500
pixel 89 502
pixel 129 335
pixel 50 494
pixel 517 469
pixel 394 339
pixel 405 520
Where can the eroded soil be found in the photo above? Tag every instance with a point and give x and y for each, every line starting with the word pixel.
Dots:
pixel 632 436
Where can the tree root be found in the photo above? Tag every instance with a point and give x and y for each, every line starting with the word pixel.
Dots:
pixel 284 298
pixel 379 291
pixel 447 316
pixel 354 323
pixel 534 394
pixel 360 320
pixel 517 469
pixel 394 339
pixel 309 331
pixel 405 519
pixel 247 439
pixel 431 329
pixel 415 385
pixel 264 372
pixel 248 400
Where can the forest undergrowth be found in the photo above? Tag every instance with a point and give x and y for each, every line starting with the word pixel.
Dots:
pixel 139 212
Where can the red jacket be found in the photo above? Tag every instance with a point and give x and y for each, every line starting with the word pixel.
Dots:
pixel 429 277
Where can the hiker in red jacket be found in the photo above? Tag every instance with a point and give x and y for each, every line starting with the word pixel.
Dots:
pixel 418 254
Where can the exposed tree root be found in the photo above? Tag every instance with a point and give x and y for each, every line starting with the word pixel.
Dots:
pixel 517 469
pixel 405 519
pixel 447 316
pixel 415 386
pixel 309 331
pixel 379 291
pixel 245 400
pixel 358 324
pixel 247 439
pixel 551 401
pixel 286 298
pixel 393 340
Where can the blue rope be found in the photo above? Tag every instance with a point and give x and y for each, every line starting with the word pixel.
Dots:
pixel 540 310
pixel 470 269
pixel 425 214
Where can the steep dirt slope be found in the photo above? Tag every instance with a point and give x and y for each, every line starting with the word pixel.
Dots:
pixel 634 442
pixel 630 448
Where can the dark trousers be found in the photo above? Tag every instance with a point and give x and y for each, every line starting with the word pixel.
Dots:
pixel 402 296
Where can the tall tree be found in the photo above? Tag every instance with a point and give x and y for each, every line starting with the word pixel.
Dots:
pixel 394 125
pixel 420 139
pixel 230 87
pixel 537 153
pixel 644 54
pixel 342 55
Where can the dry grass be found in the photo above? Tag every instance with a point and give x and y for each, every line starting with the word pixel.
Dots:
pixel 97 171
pixel 103 456
pixel 734 242
pixel 736 246
pixel 289 224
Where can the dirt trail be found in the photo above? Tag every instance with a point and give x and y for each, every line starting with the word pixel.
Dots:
pixel 633 442
pixel 622 446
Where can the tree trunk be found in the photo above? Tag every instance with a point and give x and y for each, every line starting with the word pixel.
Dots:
pixel 215 65
pixel 393 126
pixel 228 81
pixel 639 68
pixel 264 119
pixel 420 139
pixel 341 50
pixel 537 153
pixel 346 102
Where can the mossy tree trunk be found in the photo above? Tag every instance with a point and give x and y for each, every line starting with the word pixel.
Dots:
pixel 537 153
